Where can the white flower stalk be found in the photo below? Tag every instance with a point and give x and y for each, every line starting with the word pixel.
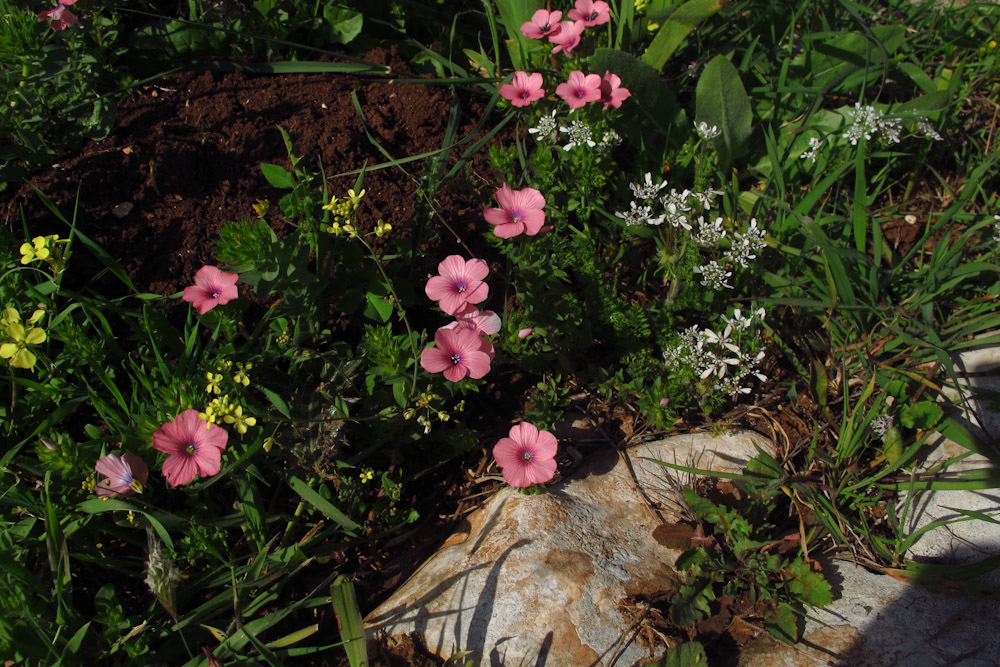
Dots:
pixel 161 575
pixel 745 245
pixel 925 127
pixel 647 190
pixel 639 215
pixel 579 133
pixel 814 145
pixel 714 275
pixel 870 122
pixel 706 132
pixel 545 128
pixel 709 233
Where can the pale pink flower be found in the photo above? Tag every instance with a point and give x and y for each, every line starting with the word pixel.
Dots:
pixel 542 23
pixel 524 333
pixel 612 93
pixel 61 17
pixel 482 323
pixel 591 13
pixel 124 475
pixel 195 447
pixel 459 283
pixel 527 456
pixel 458 353
pixel 211 288
pixel 525 89
pixel 568 37
pixel 580 89
pixel 520 212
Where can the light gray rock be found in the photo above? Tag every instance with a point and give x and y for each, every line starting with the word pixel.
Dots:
pixel 546 579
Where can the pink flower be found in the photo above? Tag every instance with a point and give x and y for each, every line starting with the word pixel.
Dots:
pixel 458 353
pixel 525 89
pixel 591 13
pixel 483 324
pixel 195 447
pixel 459 284
pixel 526 457
pixel 580 89
pixel 612 94
pixel 124 475
pixel 568 37
pixel 520 212
pixel 542 23
pixel 524 333
pixel 61 17
pixel 211 288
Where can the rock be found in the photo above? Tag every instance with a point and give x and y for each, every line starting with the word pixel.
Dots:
pixel 552 577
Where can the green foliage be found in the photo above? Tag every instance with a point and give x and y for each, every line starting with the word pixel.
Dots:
pixel 688 654
pixel 722 102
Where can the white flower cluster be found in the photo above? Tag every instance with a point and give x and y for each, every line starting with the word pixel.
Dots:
pixel 579 133
pixel 744 248
pixel 545 127
pixel 870 122
pixel 706 132
pixel 814 145
pixel 881 426
pixel 925 127
pixel 676 206
pixel 710 354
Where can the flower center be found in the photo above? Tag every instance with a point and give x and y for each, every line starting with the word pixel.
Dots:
pixel 461 287
pixel 547 26
pixel 527 455
pixel 216 292
pixel 524 94
pixel 516 215
pixel 592 17
pixel 191 448
pixel 456 359
pixel 581 92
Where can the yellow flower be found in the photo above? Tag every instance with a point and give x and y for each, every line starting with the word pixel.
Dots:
pixel 261 207
pixel 334 229
pixel 356 198
pixel 240 422
pixel 37 249
pixel 381 228
pixel 268 444
pixel 213 382
pixel 16 348
pixel 366 476
pixel 241 376
pixel 216 410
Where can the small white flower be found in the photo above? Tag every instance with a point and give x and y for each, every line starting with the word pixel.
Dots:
pixel 647 191
pixel 609 140
pixel 706 198
pixel 713 275
pixel 639 215
pixel 709 233
pixel 706 132
pixel 814 145
pixel 546 126
pixel 747 243
pixel 579 133
pixel 924 125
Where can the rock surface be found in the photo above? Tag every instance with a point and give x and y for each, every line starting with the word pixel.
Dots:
pixel 549 579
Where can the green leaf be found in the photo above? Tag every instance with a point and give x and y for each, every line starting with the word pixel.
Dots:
pixel 675 29
pixel 277 175
pixel 650 93
pixel 345 24
pixel 321 504
pixel 688 654
pixel 378 308
pixel 782 622
pixel 722 101
pixel 807 585
pixel 690 605
pixel 921 415
pixel 277 401
pixel 352 629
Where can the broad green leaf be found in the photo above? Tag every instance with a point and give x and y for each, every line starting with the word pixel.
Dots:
pixel 809 586
pixel 690 605
pixel 513 14
pixel 782 622
pixel 722 101
pixel 378 309
pixel 345 24
pixel 676 28
pixel 921 415
pixel 650 93
pixel 688 654
pixel 277 175
pixel 321 504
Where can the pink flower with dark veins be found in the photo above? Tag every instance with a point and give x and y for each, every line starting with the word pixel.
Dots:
pixel 527 456
pixel 211 288
pixel 542 24
pixel 612 93
pixel 194 447
pixel 580 89
pixel 568 37
pixel 457 353
pixel 590 13
pixel 123 475
pixel 524 89
pixel 61 17
pixel 521 212
pixel 459 283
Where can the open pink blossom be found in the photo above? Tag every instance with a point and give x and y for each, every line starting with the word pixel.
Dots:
pixel 580 89
pixel 542 24
pixel 458 353
pixel 195 448
pixel 590 13
pixel 123 475
pixel 61 17
pixel 520 212
pixel 211 288
pixel 527 456
pixel 524 333
pixel 568 37
pixel 524 89
pixel 459 283
pixel 612 93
